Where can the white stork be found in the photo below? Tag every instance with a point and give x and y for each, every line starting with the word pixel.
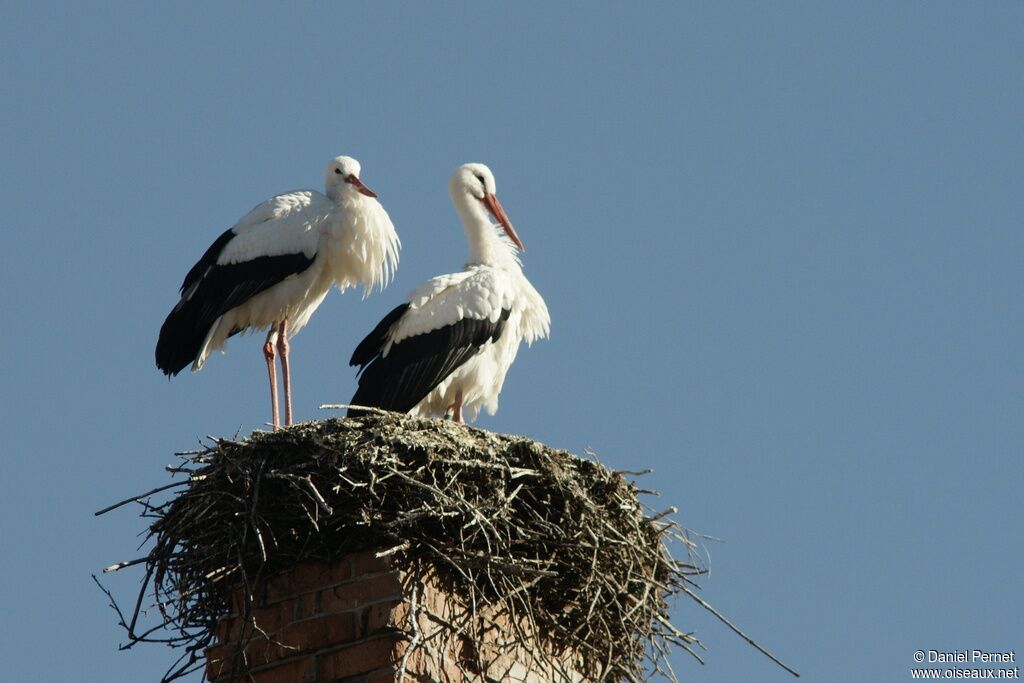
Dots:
pixel 275 266
pixel 447 350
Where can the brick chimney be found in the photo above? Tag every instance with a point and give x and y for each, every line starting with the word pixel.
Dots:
pixel 349 622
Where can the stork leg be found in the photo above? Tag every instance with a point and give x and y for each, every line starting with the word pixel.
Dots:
pixel 457 407
pixel 283 348
pixel 268 355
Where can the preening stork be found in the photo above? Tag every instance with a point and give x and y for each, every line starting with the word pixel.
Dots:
pixel 447 350
pixel 274 267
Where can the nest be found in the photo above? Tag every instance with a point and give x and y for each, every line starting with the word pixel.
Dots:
pixel 560 543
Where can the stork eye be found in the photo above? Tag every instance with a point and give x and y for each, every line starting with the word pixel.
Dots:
pixel 481 179
pixel 338 171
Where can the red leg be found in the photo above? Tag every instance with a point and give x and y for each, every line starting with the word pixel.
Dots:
pixel 268 355
pixel 457 408
pixel 283 348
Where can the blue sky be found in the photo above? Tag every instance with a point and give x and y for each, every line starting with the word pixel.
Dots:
pixel 781 245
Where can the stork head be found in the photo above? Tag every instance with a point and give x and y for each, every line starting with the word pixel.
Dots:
pixel 342 178
pixel 475 183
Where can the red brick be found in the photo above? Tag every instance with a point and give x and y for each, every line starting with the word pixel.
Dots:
pixel 292 671
pixel 219 652
pixel 367 563
pixel 313 576
pixel 218 660
pixel 360 593
pixel 385 674
pixel 306 605
pixel 298 638
pixel 258 652
pixel 268 619
pixel 254 662
pixel 237 600
pixel 224 629
pixel 383 678
pixel 306 578
pixel 232 630
pixel 385 616
pixel 327 627
pixel 355 659
pixel 321 631
pixel 342 627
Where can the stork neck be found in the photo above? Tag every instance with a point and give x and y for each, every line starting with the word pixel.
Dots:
pixel 487 245
pixel 343 194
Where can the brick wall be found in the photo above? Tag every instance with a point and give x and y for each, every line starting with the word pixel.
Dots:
pixel 349 622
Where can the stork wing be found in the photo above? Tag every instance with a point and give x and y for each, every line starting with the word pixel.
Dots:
pixel 416 346
pixel 274 241
pixel 286 224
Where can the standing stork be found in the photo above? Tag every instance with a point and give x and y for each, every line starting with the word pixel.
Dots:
pixel 447 350
pixel 274 267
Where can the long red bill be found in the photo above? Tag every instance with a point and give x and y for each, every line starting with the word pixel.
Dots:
pixel 359 186
pixel 494 206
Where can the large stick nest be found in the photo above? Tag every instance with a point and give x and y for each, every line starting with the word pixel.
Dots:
pixel 559 542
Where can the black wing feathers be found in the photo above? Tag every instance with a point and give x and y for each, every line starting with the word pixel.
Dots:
pixel 208 260
pixel 374 342
pixel 414 367
pixel 218 289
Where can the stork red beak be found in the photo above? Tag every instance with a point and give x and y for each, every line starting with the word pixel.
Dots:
pixel 494 206
pixel 352 179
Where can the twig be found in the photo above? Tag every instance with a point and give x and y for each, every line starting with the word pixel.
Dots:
pixel 700 601
pixel 404 545
pixel 135 499
pixel 122 565
pixel 347 406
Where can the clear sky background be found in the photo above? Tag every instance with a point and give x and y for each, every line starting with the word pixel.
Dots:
pixel 781 244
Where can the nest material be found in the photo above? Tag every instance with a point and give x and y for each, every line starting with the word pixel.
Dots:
pixel 556 541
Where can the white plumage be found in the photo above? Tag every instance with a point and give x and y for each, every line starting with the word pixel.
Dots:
pixel 274 267
pixel 449 348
